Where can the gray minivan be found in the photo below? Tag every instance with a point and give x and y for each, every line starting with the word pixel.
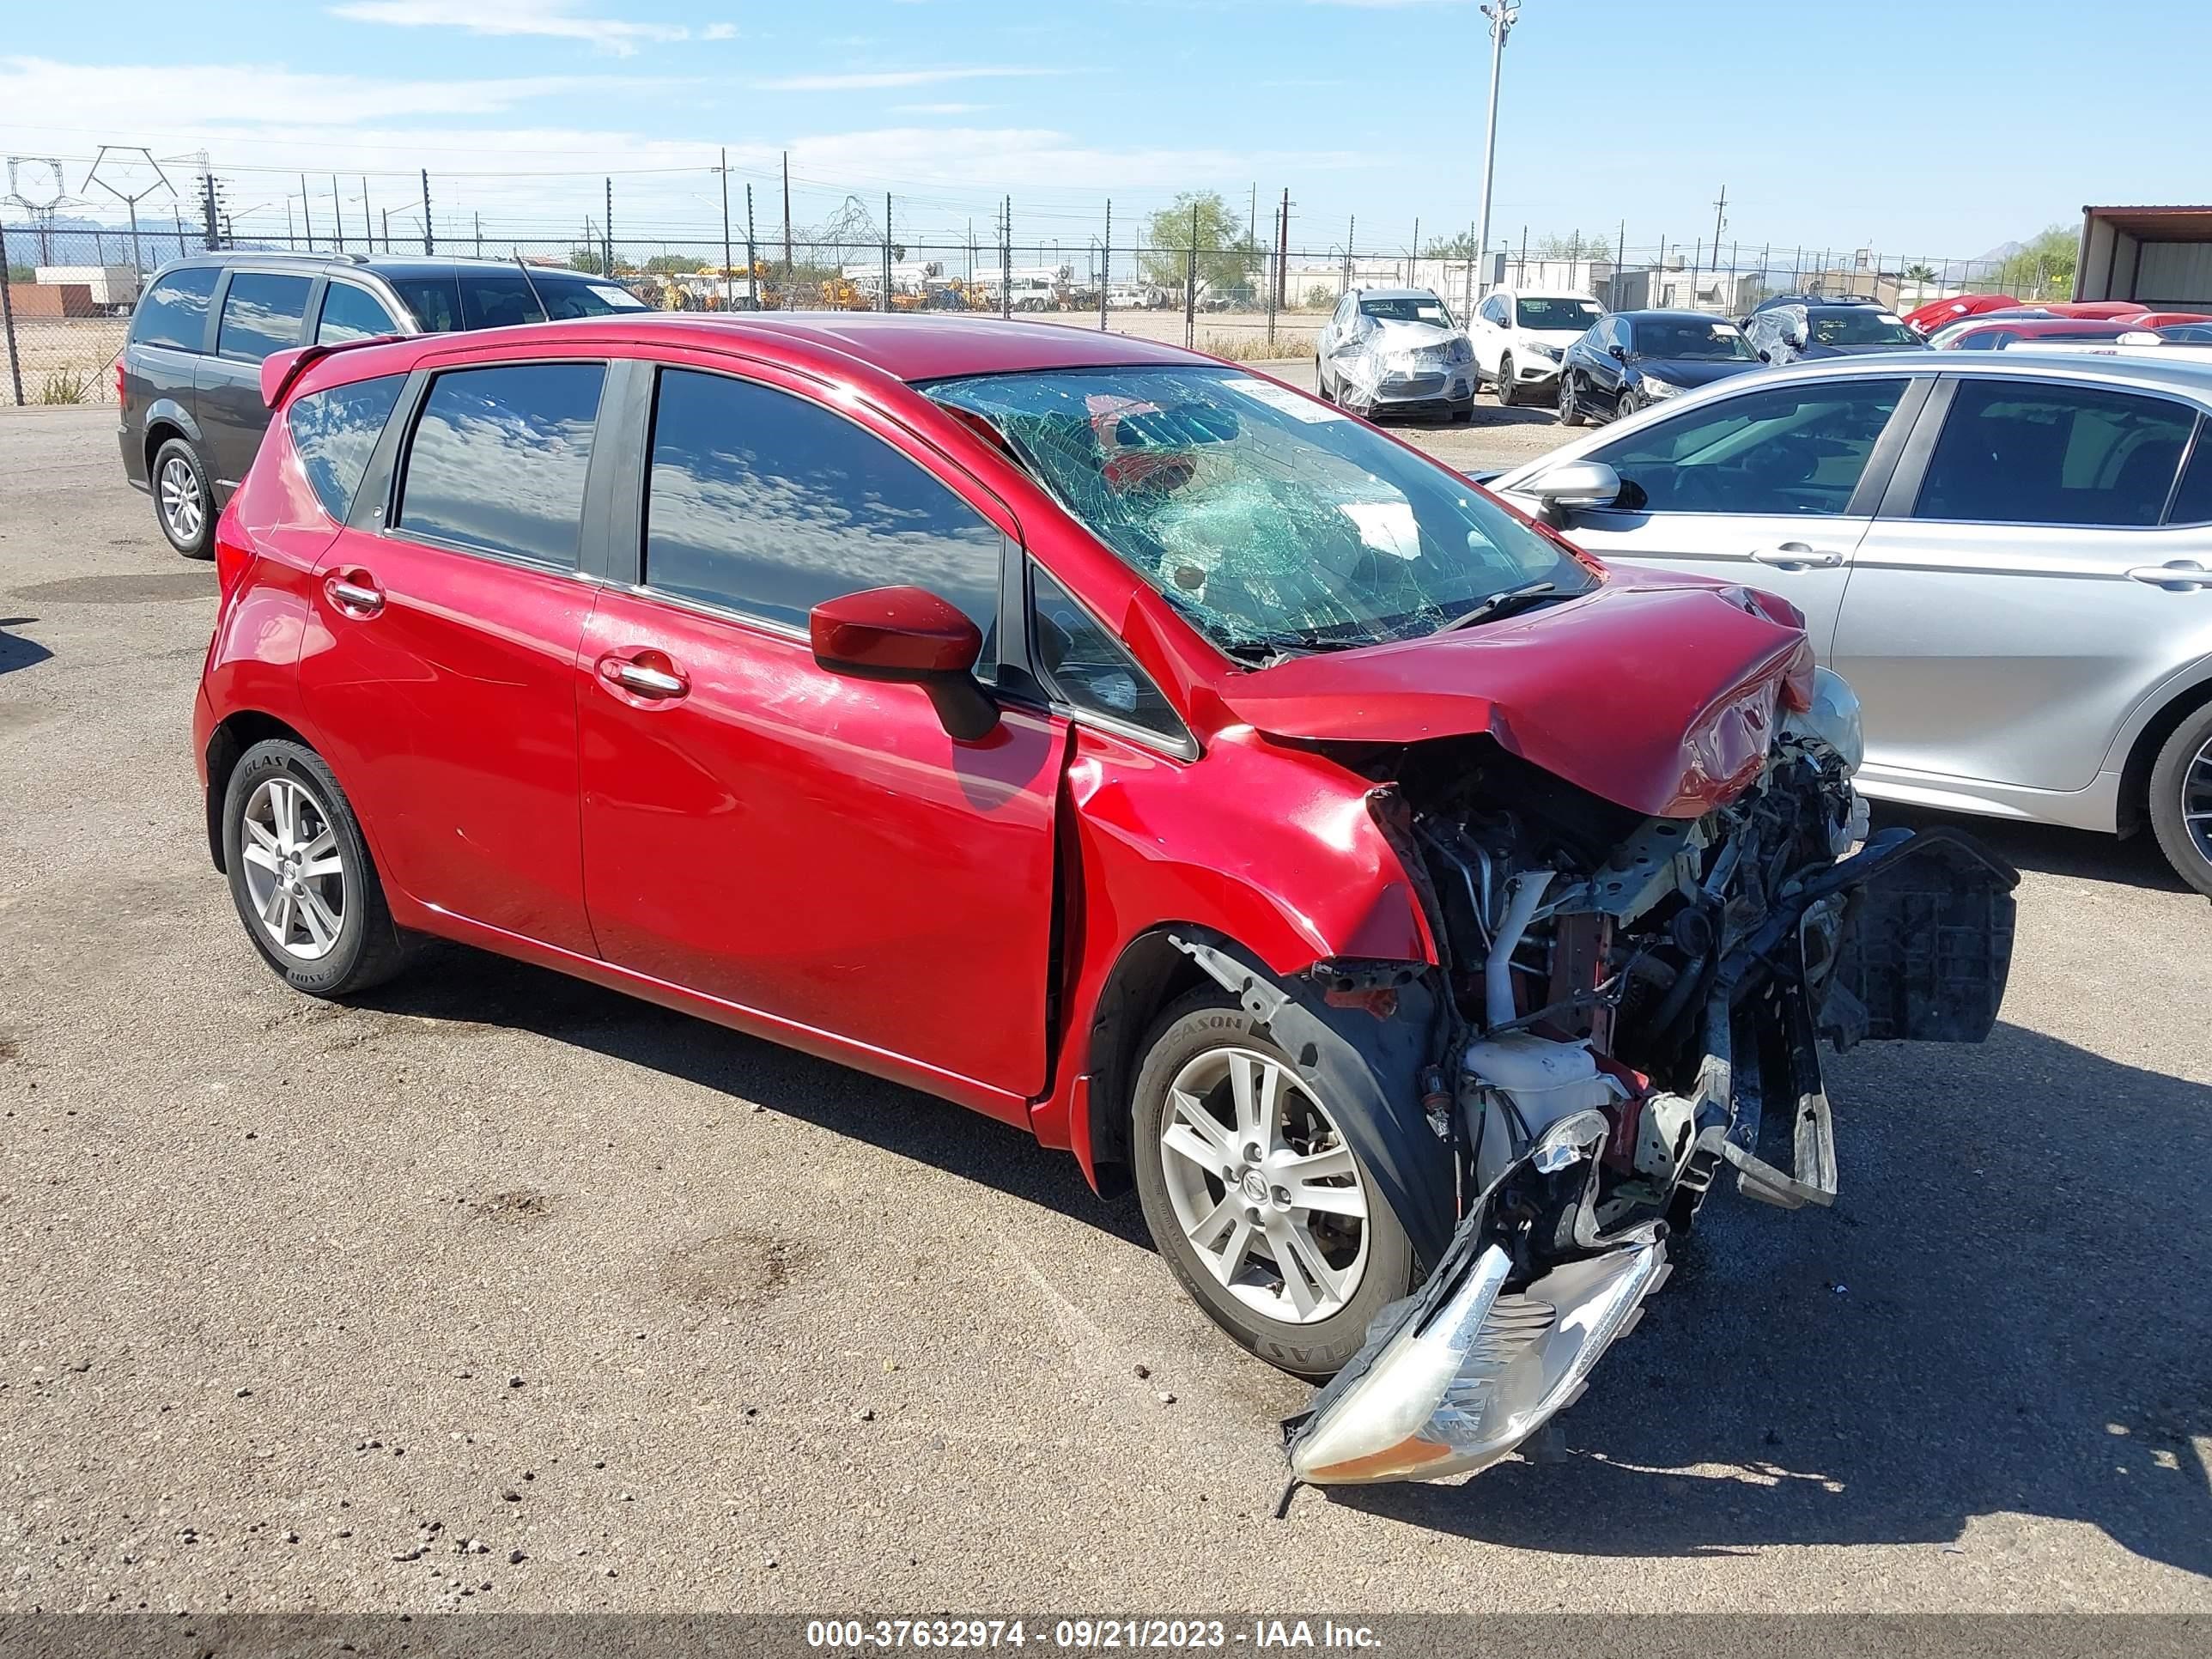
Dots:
pixel 189 383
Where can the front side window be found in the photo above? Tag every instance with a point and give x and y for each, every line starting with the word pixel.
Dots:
pixel 1797 449
pixel 2014 452
pixel 1493 310
pixel 352 313
pixel 175 311
pixel 764 503
pixel 1087 668
pixel 261 313
pixel 1273 524
pixel 499 459
pixel 335 433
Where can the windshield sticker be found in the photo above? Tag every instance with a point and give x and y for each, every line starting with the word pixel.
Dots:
pixel 1279 396
pixel 1386 526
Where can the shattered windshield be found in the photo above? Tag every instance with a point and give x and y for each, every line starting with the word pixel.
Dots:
pixel 1272 523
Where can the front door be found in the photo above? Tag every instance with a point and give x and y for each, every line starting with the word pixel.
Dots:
pixel 812 847
pixel 1769 488
pixel 439 663
pixel 2006 617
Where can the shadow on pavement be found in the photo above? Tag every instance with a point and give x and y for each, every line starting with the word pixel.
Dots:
pixel 2005 1316
pixel 16 651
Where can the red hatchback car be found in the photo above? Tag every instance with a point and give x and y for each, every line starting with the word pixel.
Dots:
pixel 1113 741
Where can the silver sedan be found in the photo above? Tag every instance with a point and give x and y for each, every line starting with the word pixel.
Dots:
pixel 1395 351
pixel 2010 559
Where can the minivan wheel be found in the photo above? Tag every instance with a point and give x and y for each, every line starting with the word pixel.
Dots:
pixel 2181 799
pixel 1260 1208
pixel 183 505
pixel 301 874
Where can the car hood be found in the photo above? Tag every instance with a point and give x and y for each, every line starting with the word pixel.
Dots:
pixel 1688 371
pixel 1561 338
pixel 1654 691
pixel 1411 336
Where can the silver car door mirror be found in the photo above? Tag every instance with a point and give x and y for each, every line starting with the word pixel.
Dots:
pixel 1576 483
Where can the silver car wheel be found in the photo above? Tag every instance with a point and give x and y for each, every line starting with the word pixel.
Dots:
pixel 1264 1187
pixel 184 509
pixel 294 876
pixel 2197 802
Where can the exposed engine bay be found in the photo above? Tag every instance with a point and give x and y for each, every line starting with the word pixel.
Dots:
pixel 1632 1007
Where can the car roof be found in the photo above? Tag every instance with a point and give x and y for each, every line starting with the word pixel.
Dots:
pixel 383 264
pixel 1546 293
pixel 1676 316
pixel 2192 379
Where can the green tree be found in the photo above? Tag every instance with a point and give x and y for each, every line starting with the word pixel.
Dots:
pixel 667 265
pixel 2044 267
pixel 1920 273
pixel 584 258
pixel 1201 218
pixel 1461 246
pixel 21 274
pixel 1574 245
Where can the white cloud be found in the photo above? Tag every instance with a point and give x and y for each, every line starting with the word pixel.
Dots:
pixel 719 32
pixel 938 109
pixel 556 19
pixel 868 80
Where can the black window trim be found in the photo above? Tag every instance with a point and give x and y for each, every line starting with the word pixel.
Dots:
pixel 1901 501
pixel 1050 697
pixel 629 485
pixel 376 504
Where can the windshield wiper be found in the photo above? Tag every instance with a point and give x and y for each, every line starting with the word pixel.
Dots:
pixel 1501 604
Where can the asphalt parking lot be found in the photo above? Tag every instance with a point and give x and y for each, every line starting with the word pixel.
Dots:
pixel 301 1303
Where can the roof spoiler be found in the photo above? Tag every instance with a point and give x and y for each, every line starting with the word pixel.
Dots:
pixel 279 370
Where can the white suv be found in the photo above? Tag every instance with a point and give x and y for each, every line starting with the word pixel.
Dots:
pixel 1520 337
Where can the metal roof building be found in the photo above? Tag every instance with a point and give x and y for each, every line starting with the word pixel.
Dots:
pixel 2158 255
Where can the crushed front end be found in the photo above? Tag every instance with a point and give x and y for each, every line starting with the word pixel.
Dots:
pixel 1636 1007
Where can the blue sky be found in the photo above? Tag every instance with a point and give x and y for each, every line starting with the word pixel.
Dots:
pixel 1941 127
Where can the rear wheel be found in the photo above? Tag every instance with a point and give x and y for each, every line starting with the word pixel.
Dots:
pixel 1253 1195
pixel 301 874
pixel 183 505
pixel 1507 393
pixel 2181 799
pixel 1571 409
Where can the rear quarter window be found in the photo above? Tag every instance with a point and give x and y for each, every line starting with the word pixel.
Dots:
pixel 175 311
pixel 335 433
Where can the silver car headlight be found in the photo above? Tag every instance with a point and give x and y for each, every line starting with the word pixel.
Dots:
pixel 1833 719
pixel 1549 353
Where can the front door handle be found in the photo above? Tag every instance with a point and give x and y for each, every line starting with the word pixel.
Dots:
pixel 356 593
pixel 1797 556
pixel 648 674
pixel 2180 576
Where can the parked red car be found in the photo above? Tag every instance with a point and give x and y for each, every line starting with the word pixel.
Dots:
pixel 1116 742
pixel 1924 321
pixel 1996 332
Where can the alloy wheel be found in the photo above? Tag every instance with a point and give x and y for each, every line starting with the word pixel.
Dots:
pixel 1264 1186
pixel 184 508
pixel 2197 802
pixel 295 875
pixel 1567 409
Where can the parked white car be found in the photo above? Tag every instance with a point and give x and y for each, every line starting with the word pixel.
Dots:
pixel 1519 338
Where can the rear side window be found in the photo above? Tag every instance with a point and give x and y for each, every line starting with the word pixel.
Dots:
pixel 499 457
pixel 498 302
pixel 336 433
pixel 2016 453
pixel 765 503
pixel 175 311
pixel 261 313
pixel 352 313
pixel 435 301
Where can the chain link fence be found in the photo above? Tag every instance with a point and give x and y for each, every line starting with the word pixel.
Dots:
pixel 1218 287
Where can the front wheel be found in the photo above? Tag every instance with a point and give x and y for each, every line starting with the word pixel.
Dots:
pixel 1507 393
pixel 1254 1196
pixel 2181 799
pixel 1571 409
pixel 1627 404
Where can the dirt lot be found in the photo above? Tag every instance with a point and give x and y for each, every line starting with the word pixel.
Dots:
pixel 297 1299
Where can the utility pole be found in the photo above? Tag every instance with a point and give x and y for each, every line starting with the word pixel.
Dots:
pixel 307 214
pixel 1190 287
pixel 1720 212
pixel 786 213
pixel 1283 253
pixel 479 225
pixel 385 213
pixel 429 239
pixel 728 292
pixel 1413 269
pixel 367 224
pixel 752 270
pixel 1007 260
pixel 885 302
pixel 1106 262
pixel 338 211
pixel 207 209
pixel 607 229
pixel 1503 15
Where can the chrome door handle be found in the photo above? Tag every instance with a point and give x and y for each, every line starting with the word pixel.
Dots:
pixel 352 596
pixel 2181 576
pixel 1796 555
pixel 645 682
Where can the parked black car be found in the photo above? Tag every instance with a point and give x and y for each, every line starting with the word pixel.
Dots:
pixel 1783 334
pixel 189 382
pixel 1637 357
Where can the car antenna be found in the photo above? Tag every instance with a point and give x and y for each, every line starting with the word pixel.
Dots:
pixel 542 312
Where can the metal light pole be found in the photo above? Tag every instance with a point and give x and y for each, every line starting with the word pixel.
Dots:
pixel 1503 15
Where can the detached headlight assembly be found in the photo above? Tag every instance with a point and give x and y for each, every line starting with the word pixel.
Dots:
pixel 1833 717
pixel 1549 353
pixel 1460 351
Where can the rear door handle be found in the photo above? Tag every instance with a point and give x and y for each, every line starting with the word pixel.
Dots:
pixel 657 677
pixel 2181 576
pixel 1797 556
pixel 356 593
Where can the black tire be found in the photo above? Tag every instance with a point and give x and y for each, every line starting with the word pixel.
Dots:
pixel 2181 786
pixel 368 948
pixel 1627 405
pixel 1464 412
pixel 193 543
pixel 1571 409
pixel 1509 393
pixel 1209 1018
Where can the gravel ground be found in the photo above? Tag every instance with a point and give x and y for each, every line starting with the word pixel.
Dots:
pixel 496 1286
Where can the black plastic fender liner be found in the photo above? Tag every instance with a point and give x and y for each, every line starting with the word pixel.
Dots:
pixel 1926 943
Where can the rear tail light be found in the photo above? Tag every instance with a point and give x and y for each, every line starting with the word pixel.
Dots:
pixel 121 402
pixel 232 552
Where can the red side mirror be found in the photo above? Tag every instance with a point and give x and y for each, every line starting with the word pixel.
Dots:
pixel 907 635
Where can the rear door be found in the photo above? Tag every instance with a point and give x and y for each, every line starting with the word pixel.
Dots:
pixel 439 667
pixel 259 312
pixel 2012 603
pixel 1772 487
pixel 168 332
pixel 809 847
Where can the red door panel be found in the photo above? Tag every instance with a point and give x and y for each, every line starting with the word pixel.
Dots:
pixel 442 687
pixel 815 848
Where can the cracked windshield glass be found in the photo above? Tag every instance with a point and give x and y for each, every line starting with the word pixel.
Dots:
pixel 1274 524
